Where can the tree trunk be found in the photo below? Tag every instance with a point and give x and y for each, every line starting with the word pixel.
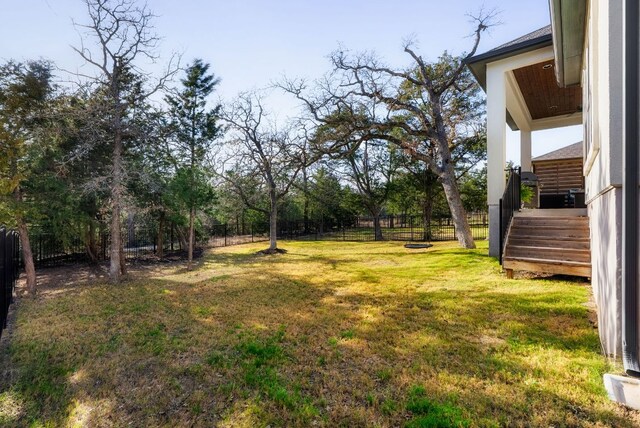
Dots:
pixel 273 222
pixel 376 227
pixel 115 251
pixel 305 208
pixel 27 256
pixel 458 213
pixel 116 243
pixel 427 206
pixel 123 261
pixel 160 239
pixel 192 214
pixel 427 211
pixel 182 238
pixel 90 242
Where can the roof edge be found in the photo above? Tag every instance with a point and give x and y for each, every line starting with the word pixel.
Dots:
pixel 527 45
pixel 571 151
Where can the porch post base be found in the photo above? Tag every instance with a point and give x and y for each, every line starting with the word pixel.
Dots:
pixel 494 230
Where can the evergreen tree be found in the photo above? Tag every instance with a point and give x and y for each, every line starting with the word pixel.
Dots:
pixel 25 92
pixel 194 129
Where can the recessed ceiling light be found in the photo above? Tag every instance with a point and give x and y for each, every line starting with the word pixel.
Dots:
pixel 547 66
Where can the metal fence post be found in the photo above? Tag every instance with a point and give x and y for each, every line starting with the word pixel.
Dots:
pixel 9 270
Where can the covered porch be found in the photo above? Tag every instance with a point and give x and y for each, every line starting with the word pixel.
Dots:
pixel 520 81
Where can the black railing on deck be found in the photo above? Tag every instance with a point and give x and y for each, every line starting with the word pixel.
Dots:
pixel 509 204
pixel 9 271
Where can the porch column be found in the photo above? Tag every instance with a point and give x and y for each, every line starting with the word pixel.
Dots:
pixel 525 150
pixel 496 150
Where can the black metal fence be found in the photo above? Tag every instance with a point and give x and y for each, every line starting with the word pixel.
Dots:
pixel 51 250
pixel 392 228
pixel 9 271
pixel 509 204
pixel 223 235
pixel 140 242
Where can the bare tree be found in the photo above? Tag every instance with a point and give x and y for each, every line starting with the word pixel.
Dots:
pixel 369 166
pixel 264 156
pixel 430 109
pixel 122 33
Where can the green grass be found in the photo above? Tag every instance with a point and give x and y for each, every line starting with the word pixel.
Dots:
pixel 329 334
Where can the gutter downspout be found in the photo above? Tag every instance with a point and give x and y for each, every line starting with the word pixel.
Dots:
pixel 630 197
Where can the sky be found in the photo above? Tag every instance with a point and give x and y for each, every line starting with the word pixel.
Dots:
pixel 252 43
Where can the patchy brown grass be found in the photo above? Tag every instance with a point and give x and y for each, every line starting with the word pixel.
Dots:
pixel 329 334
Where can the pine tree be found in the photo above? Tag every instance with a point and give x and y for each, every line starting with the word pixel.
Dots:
pixel 194 129
pixel 25 91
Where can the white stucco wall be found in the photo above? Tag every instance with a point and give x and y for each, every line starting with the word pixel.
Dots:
pixel 603 93
pixel 606 276
pixel 602 112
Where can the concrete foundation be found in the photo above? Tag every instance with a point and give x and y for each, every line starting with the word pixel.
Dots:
pixel 624 390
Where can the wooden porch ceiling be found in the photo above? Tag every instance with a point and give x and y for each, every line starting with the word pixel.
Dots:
pixel 542 95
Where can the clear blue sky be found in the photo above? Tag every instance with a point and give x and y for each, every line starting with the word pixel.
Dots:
pixel 250 43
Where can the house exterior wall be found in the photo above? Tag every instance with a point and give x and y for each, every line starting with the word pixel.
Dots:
pixel 602 113
pixel 606 269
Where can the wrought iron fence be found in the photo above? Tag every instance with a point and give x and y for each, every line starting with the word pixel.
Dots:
pixel 139 242
pixel 391 228
pixel 143 241
pixel 222 235
pixel 50 249
pixel 9 271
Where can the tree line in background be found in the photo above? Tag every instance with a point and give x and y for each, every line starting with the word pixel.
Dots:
pixel 122 143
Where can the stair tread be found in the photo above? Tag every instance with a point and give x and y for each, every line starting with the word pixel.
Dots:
pixel 549 261
pixel 552 217
pixel 538 247
pixel 544 242
pixel 550 238
pixel 553 226
pixel 579 220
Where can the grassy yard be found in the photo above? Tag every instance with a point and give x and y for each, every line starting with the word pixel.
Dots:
pixel 330 334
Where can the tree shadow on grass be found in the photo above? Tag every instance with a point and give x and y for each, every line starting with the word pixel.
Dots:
pixel 161 352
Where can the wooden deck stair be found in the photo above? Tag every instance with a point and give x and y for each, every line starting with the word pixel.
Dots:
pixel 552 241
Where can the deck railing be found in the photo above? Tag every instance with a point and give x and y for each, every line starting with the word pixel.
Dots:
pixel 509 204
